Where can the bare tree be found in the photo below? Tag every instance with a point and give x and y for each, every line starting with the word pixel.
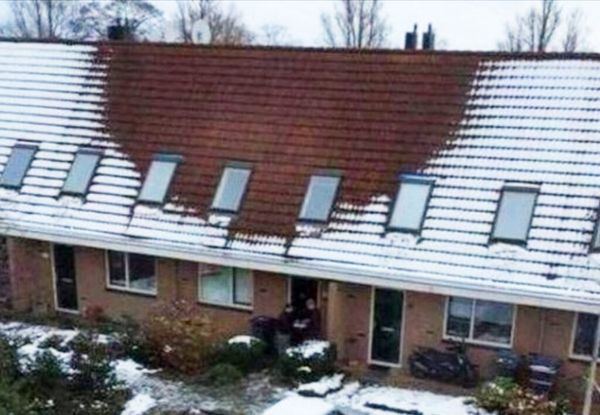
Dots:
pixel 356 24
pixel 537 30
pixel 42 19
pixel 226 27
pixel 273 35
pixel 138 19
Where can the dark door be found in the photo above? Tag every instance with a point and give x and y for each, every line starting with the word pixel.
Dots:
pixel 301 290
pixel 66 282
pixel 387 326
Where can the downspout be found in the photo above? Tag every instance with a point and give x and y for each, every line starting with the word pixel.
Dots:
pixel 542 333
pixel 591 381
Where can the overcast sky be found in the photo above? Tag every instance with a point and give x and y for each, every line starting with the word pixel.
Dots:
pixel 470 25
pixel 473 25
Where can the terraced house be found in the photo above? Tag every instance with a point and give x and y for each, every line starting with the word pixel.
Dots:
pixel 417 196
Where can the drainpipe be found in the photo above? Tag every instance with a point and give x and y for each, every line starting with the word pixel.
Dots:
pixel 591 382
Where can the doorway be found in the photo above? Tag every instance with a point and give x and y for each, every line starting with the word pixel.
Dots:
pixel 300 290
pixel 387 311
pixel 65 281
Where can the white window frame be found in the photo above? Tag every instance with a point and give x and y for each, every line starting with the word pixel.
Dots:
pixel 128 289
pixel 470 338
pixel 231 303
pixel 572 354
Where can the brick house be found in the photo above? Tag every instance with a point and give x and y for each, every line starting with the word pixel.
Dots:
pixel 419 197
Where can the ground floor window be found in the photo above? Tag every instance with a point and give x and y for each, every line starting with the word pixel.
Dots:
pixel 479 321
pixel 225 286
pixel 584 336
pixel 131 272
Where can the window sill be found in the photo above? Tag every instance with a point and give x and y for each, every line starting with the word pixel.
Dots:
pixel 141 293
pixel 581 358
pixel 478 343
pixel 233 307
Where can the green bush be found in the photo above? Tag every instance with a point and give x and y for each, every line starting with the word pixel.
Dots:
pixel 247 356
pixel 54 342
pixel 223 374
pixel 45 376
pixel 14 401
pixel 504 397
pixel 133 343
pixel 9 360
pixel 300 364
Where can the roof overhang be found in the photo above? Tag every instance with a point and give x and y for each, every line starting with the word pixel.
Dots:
pixel 304 268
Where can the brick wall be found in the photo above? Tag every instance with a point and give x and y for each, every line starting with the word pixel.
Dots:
pixel 4 274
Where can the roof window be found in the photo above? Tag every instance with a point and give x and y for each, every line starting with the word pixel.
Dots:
pixel 159 177
pixel 410 206
pixel 232 187
pixel 17 165
pixel 82 171
pixel 320 197
pixel 515 212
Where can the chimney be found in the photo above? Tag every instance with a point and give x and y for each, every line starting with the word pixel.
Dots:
pixel 410 41
pixel 429 39
pixel 119 30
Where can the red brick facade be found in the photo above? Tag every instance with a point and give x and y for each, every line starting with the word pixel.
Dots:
pixel 346 308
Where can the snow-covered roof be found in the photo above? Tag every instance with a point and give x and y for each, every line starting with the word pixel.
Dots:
pixel 473 122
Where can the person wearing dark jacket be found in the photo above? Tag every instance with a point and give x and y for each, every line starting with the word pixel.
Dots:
pixel 284 329
pixel 313 320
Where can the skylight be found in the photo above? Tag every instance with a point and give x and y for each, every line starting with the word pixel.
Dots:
pixel 515 212
pixel 232 188
pixel 320 197
pixel 17 165
pixel 159 177
pixel 410 206
pixel 82 172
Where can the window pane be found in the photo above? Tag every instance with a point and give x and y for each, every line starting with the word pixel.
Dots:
pixel 231 189
pixel 81 173
pixel 459 317
pixel 410 205
pixel 157 181
pixel 584 334
pixel 319 198
pixel 493 322
pixel 242 287
pixel 217 288
pixel 17 165
pixel 142 275
pixel 514 215
pixel 116 269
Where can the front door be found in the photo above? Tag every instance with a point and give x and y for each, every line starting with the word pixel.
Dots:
pixel 65 280
pixel 301 289
pixel 386 327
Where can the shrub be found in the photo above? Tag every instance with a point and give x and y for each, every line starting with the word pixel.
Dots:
pixel 9 360
pixel 244 352
pixel 504 397
pixel 183 338
pixel 133 343
pixel 223 374
pixel 308 362
pixel 45 375
pixel 53 342
pixel 13 401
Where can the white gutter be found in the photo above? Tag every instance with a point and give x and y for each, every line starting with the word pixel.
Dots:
pixel 292 266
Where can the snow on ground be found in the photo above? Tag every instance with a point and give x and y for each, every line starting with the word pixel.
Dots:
pixel 243 339
pixel 254 394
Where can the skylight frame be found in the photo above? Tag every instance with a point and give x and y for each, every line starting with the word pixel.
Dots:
pixel 329 173
pixel 234 165
pixel 17 147
pixel 164 157
pixel 533 188
pixel 417 179
pixel 596 233
pixel 83 151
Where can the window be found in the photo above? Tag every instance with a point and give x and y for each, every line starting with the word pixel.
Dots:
pixel 82 172
pixel 159 177
pixel 320 196
pixel 480 321
pixel 514 214
pixel 226 286
pixel 410 206
pixel 131 272
pixel 231 188
pixel 17 165
pixel 584 334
